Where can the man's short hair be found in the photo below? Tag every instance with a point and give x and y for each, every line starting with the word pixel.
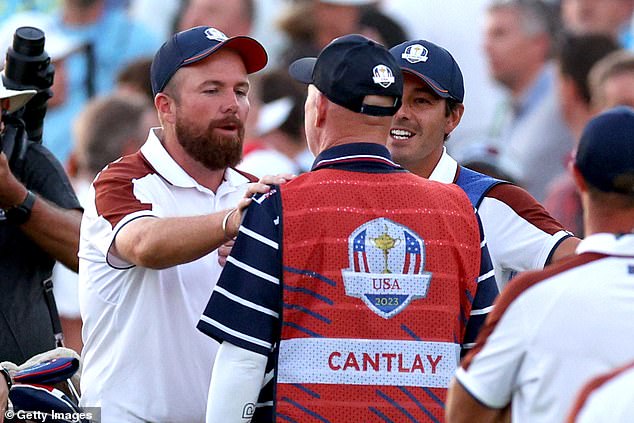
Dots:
pixel 578 53
pixel 536 16
pixel 137 74
pixel 105 127
pixel 615 63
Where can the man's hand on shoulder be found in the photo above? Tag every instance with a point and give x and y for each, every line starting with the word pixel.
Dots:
pixel 279 179
pixel 261 187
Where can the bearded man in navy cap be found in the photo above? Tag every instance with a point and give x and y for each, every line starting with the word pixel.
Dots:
pixel 351 290
pixel 149 235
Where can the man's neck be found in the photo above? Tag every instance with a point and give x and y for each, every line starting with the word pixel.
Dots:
pixel 350 128
pixel 579 120
pixel 604 219
pixel 424 168
pixel 332 139
pixel 524 82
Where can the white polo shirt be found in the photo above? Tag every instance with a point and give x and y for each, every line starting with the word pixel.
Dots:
pixel 144 360
pixel 520 233
pixel 607 398
pixel 551 331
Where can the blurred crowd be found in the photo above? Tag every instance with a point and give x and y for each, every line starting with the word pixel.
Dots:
pixel 535 72
pixel 534 75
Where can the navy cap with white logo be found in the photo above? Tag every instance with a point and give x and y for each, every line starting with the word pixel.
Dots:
pixel 605 156
pixel 349 69
pixel 192 45
pixel 433 65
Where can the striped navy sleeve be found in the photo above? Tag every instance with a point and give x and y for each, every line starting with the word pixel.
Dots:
pixel 486 292
pixel 244 307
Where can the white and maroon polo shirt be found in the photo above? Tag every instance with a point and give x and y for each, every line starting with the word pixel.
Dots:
pixel 552 330
pixel 607 398
pixel 520 233
pixel 144 360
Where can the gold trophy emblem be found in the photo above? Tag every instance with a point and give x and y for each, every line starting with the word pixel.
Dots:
pixel 385 243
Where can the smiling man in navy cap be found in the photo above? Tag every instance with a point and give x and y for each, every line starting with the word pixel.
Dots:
pixel 520 233
pixel 147 259
pixel 342 298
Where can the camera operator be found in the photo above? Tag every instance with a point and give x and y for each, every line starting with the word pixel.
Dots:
pixel 39 223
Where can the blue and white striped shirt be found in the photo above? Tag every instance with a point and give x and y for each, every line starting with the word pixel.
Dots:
pixel 246 304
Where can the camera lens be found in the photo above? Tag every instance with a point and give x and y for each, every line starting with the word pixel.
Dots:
pixel 28 66
pixel 28 41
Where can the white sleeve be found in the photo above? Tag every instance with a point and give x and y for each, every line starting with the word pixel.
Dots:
pixel 100 226
pixel 515 241
pixel 235 384
pixel 492 374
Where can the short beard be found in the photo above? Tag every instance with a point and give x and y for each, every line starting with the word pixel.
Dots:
pixel 212 150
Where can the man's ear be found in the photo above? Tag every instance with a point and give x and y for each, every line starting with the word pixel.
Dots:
pixel 165 105
pixel 568 89
pixel 580 182
pixel 72 164
pixel 454 118
pixel 322 110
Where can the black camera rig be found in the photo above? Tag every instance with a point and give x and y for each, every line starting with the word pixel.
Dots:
pixel 27 67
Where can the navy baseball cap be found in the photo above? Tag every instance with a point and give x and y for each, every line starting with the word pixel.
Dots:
pixel 433 65
pixel 195 44
pixel 349 69
pixel 605 156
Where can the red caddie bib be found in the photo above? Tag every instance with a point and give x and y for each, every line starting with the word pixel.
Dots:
pixel 379 273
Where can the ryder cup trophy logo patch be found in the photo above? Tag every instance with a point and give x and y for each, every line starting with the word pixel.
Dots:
pixel 387 263
pixel 382 76
pixel 415 53
pixel 214 35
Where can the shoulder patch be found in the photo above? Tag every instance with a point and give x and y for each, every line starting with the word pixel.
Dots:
pixel 260 198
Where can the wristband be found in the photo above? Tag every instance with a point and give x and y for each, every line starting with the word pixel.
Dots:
pixel 21 213
pixel 224 222
pixel 7 377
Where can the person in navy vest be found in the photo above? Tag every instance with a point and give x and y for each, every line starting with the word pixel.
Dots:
pixel 520 233
pixel 357 279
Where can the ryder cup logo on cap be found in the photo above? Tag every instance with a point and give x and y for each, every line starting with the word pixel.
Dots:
pixel 383 76
pixel 215 35
pixel 193 45
pixel 434 65
pixel 387 262
pixel 351 68
pixel 415 53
